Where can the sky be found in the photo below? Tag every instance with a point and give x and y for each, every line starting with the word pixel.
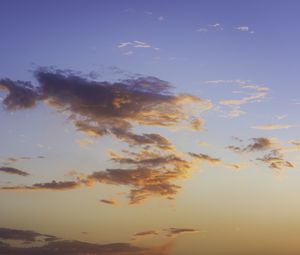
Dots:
pixel 149 127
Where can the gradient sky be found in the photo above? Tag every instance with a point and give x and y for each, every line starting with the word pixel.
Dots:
pixel 149 127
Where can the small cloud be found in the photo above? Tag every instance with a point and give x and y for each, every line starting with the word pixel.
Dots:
pixel 128 53
pixel 235 167
pixel 272 127
pixel 108 201
pixel 124 44
pixel 12 170
pixel 140 44
pixel 173 232
pixel 242 28
pixel 202 29
pixel 215 25
pixel 236 112
pixel 204 157
pixel 161 18
pixel 85 142
pixel 54 185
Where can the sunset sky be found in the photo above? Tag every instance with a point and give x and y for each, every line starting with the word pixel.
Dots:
pixel 149 127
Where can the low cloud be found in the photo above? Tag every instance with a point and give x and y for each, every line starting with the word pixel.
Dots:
pixel 24 235
pixel 54 185
pixel 12 170
pixel 53 246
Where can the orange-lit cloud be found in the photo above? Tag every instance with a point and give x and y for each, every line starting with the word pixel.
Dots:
pixel 272 126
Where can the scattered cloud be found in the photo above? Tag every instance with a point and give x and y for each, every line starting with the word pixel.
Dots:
pixel 272 127
pixel 12 170
pixel 275 160
pixel 257 144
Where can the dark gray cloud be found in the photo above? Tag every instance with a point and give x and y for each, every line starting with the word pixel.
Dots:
pixel 21 94
pixel 12 170
pixel 23 235
pixel 54 185
pixel 53 246
pixel 104 108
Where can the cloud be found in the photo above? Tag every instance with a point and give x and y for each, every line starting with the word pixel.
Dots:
pixel 115 109
pixel 242 28
pixel 103 108
pixel 272 126
pixel 275 160
pixel 161 18
pixel 173 232
pixel 53 246
pixel 20 94
pixel 204 157
pixel 144 234
pixel 236 112
pixel 124 44
pixel 258 144
pixel 54 185
pixel 12 170
pixel 24 235
pixel 148 173
pixel 108 201
pixel 235 167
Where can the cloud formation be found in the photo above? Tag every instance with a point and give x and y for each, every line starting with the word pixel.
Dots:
pixel 12 170
pixel 53 246
pixel 115 109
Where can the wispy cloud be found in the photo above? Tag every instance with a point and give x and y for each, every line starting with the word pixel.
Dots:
pixel 272 127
